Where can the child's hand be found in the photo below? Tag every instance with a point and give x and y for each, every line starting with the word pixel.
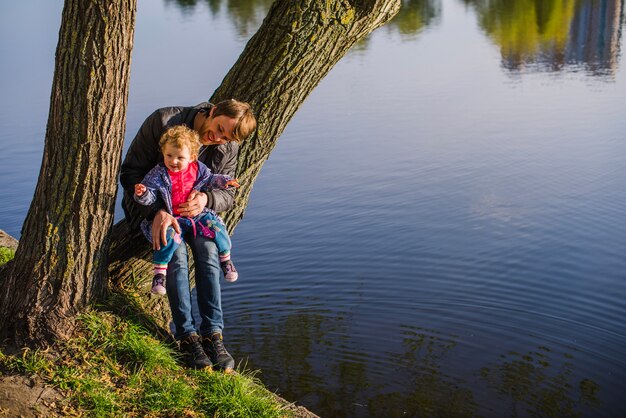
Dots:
pixel 232 183
pixel 140 189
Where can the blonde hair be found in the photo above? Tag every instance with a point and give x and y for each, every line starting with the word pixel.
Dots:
pixel 241 112
pixel 179 137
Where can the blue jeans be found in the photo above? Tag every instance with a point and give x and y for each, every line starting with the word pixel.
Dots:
pixel 206 224
pixel 208 290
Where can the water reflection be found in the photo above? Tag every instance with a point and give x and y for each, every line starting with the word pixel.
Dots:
pixel 312 356
pixel 541 384
pixel 288 349
pixel 535 35
pixel 247 15
pixel 414 16
pixel 427 390
pixel 554 35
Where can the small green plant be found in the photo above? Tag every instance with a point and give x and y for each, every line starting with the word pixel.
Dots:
pixel 6 255
pixel 30 361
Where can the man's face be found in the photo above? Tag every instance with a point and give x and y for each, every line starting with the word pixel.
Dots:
pixel 217 130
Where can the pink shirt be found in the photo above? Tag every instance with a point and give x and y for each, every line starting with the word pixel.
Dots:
pixel 182 184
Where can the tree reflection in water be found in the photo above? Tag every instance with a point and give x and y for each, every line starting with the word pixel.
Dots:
pixel 414 16
pixel 311 357
pixel 554 34
pixel 532 34
pixel 428 391
pixel 247 15
pixel 541 385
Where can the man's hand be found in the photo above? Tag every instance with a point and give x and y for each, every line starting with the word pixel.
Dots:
pixel 162 220
pixel 194 205
pixel 140 189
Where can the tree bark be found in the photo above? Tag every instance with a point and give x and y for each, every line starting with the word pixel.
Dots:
pixel 293 50
pixel 61 259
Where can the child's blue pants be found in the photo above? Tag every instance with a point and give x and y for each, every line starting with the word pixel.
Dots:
pixel 206 224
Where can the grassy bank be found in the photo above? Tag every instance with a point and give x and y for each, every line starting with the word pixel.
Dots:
pixel 113 366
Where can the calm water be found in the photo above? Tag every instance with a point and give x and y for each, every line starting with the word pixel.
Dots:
pixel 441 229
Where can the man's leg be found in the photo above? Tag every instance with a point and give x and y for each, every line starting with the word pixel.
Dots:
pixel 178 293
pixel 210 302
pixel 207 267
pixel 179 296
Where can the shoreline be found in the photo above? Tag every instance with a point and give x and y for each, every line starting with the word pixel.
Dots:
pixel 28 395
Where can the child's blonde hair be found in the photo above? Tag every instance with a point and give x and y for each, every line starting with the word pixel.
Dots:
pixel 179 137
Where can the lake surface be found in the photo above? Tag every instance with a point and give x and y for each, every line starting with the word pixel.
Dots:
pixel 440 230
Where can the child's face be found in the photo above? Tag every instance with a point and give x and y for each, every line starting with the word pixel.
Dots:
pixel 177 159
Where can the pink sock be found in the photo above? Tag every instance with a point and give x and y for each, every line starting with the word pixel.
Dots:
pixel 160 269
pixel 224 257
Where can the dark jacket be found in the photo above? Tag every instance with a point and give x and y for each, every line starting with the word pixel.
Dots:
pixel 144 153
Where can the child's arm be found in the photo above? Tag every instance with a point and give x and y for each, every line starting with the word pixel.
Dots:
pixel 144 195
pixel 145 192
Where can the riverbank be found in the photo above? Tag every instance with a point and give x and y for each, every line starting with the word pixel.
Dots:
pixel 114 365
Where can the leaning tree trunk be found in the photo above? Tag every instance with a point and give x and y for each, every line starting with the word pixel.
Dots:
pixel 297 45
pixel 61 260
pixel 293 50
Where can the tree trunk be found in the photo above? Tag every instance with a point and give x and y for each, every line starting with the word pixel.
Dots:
pixel 61 259
pixel 293 50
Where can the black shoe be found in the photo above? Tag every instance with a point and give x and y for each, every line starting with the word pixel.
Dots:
pixel 193 354
pixel 214 347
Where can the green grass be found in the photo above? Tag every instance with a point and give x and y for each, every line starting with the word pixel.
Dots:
pixel 112 367
pixel 6 255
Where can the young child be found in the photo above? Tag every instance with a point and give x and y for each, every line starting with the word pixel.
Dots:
pixel 173 180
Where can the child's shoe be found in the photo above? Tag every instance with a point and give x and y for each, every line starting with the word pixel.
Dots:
pixel 158 284
pixel 230 274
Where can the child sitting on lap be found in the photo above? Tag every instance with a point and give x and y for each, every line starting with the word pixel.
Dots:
pixel 173 181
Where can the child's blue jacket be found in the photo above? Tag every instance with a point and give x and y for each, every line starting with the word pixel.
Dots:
pixel 158 183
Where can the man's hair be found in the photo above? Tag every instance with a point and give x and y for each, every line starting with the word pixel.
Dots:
pixel 241 112
pixel 179 137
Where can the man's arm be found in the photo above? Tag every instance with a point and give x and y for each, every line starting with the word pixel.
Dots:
pixel 141 157
pixel 224 161
pixel 143 153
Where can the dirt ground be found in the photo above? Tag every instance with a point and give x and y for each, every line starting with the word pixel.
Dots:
pixel 7 240
pixel 27 397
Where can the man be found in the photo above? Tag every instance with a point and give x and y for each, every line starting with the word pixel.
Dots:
pixel 221 128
